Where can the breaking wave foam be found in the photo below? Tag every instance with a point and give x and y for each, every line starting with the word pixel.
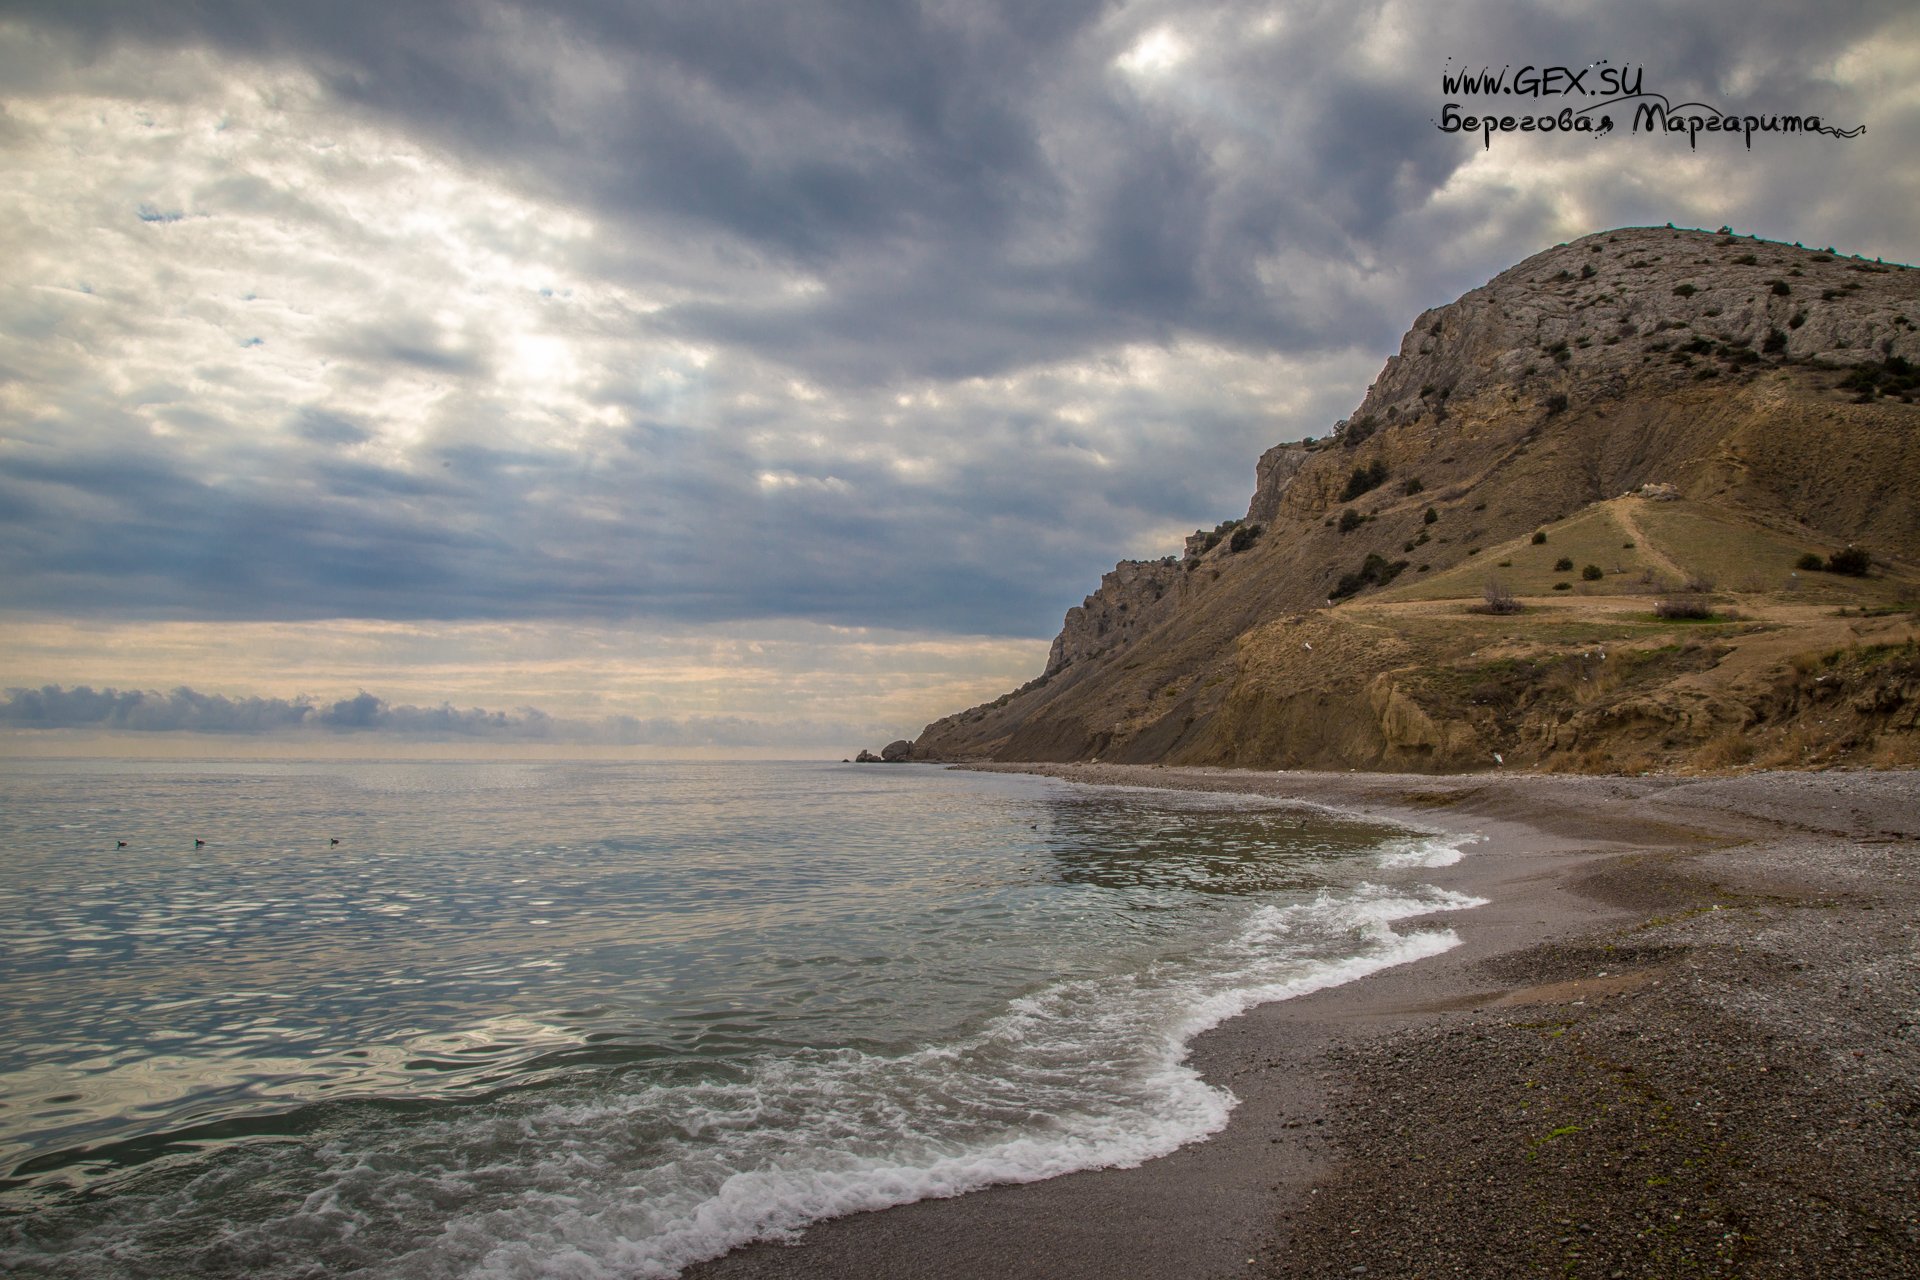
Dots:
pixel 642 1179
pixel 1424 850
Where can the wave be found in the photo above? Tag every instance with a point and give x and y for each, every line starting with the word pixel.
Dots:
pixel 625 1176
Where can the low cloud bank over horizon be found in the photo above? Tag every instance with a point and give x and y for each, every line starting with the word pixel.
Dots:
pixel 187 710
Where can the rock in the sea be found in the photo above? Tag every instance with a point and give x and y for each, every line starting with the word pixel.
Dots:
pixel 898 751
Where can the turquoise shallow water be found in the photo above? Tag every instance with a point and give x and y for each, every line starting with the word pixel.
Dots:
pixel 536 1019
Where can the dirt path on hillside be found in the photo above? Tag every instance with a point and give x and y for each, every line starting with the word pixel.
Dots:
pixel 1622 511
pixel 1754 654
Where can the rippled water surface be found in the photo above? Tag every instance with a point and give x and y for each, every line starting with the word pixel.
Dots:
pixel 537 1019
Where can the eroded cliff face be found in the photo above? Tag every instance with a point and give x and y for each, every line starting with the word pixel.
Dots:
pixel 1131 599
pixel 1271 476
pixel 1766 384
pixel 1594 311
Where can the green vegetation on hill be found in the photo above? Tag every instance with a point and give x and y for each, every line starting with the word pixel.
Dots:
pixel 1700 451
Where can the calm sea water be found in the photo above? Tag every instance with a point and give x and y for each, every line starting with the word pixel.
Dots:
pixel 596 1020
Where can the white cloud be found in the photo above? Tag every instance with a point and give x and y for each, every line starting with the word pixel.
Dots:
pixel 646 332
pixel 1156 53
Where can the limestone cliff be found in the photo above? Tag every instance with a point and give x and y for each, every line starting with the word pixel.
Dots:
pixel 1768 386
pixel 1137 594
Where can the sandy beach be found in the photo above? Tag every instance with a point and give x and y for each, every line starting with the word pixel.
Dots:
pixel 1682 1038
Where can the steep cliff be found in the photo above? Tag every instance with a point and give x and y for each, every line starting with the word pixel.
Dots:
pixel 1133 598
pixel 1768 388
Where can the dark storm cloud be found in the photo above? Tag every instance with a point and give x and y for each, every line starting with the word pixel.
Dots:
pixel 144 533
pixel 965 191
pixel 983 155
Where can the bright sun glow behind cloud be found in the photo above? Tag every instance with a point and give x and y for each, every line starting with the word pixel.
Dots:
pixel 243 259
pixel 1156 53
pixel 612 323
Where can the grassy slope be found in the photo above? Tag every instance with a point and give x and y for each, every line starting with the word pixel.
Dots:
pixel 1259 668
pixel 1591 677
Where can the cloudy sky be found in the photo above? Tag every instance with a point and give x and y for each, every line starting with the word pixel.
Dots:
pixel 755 375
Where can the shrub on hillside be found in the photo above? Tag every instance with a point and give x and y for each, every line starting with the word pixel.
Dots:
pixel 1496 599
pixel 1374 571
pixel 1691 608
pixel 1364 479
pixel 1853 561
pixel 1893 376
pixel 1592 572
pixel 1351 520
pixel 1563 565
pixel 1220 531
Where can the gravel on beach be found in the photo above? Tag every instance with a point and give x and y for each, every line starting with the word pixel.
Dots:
pixel 1741 1103
pixel 1728 1084
pixel 1682 1039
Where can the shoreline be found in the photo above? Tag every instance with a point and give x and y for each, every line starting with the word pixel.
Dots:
pixel 1395 1123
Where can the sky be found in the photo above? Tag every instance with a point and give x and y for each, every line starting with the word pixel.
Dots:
pixel 755 376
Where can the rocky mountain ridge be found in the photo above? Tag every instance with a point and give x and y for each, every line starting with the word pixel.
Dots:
pixel 1769 385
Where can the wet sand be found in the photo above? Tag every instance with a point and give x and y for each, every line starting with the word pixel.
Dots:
pixel 1683 1038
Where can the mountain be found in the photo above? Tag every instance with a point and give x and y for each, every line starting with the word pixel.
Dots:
pixel 1689 422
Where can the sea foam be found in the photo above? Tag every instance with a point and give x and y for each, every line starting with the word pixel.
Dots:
pixel 1079 1075
pixel 926 985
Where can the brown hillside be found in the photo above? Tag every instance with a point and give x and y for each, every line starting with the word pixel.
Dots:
pixel 1759 394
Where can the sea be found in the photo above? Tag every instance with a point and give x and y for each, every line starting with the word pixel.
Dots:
pixel 555 1019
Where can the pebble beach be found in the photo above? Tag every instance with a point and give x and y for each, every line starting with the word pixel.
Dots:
pixel 1682 1038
